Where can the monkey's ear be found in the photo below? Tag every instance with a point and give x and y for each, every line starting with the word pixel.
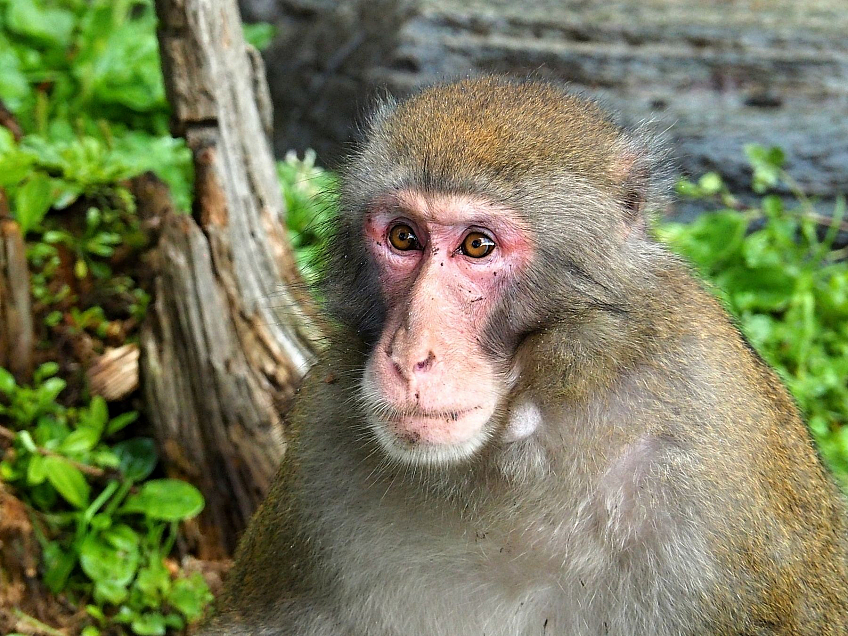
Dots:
pixel 635 197
pixel 631 170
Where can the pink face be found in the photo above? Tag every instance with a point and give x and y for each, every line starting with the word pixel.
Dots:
pixel 444 261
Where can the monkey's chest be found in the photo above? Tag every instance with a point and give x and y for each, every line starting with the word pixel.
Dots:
pixel 537 581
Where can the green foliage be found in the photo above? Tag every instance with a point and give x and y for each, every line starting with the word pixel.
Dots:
pixel 310 197
pixel 777 271
pixel 83 79
pixel 259 34
pixel 102 536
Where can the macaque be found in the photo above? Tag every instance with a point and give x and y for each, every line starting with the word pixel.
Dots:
pixel 531 418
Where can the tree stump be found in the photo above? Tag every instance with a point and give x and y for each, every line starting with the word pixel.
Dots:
pixel 220 361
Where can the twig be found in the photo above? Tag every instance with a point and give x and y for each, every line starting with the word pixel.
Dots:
pixel 92 471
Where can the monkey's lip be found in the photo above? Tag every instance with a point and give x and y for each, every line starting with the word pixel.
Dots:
pixel 419 427
pixel 419 414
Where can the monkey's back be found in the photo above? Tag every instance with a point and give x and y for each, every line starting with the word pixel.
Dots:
pixel 793 562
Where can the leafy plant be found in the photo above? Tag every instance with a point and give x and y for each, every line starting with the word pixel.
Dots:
pixel 102 535
pixel 83 78
pixel 310 196
pixel 779 272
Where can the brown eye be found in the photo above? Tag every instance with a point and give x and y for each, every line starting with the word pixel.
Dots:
pixel 402 237
pixel 477 245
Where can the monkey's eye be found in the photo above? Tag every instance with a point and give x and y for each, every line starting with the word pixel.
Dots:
pixel 477 245
pixel 402 237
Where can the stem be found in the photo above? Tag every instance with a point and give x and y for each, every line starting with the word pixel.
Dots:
pixel 43 628
pixel 123 491
pixel 110 488
pixel 91 471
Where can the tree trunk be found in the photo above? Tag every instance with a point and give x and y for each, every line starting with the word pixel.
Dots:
pixel 221 360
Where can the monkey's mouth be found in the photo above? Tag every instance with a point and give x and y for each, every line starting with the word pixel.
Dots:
pixel 430 435
pixel 421 414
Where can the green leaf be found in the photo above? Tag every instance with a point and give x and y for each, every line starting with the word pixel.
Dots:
pixel 7 382
pixel 14 86
pixel 98 413
pixel 80 269
pixel 122 537
pixel 121 421
pixel 55 236
pixel 110 592
pixel 79 441
pixel 190 596
pixel 137 457
pixel 154 582
pixel 101 521
pixel 149 624
pixel 758 289
pixel 32 201
pixel 125 615
pixel 259 34
pixel 712 238
pixel 174 621
pixel 100 270
pixel 165 500
pixel 44 371
pixel 68 481
pixel 102 562
pixel 25 438
pixel 95 612
pixel 59 563
pixel 36 470
pixel 104 457
pixel 767 164
pixel 93 217
pixel 46 25
pixel 711 183
pixel 50 390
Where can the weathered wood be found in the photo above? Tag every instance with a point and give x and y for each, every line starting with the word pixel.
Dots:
pixel 220 360
pixel 113 375
pixel 16 328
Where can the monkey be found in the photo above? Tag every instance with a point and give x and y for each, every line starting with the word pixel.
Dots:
pixel 531 418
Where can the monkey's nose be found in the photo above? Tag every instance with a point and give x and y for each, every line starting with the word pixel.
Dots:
pixel 405 368
pixel 425 365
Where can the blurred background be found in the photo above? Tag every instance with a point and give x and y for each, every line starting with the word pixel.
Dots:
pixel 718 74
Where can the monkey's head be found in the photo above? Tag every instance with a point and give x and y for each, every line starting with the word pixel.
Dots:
pixel 475 215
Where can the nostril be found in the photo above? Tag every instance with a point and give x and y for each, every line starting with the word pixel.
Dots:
pixel 397 369
pixel 425 364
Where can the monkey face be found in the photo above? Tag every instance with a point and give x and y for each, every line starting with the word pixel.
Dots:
pixel 430 387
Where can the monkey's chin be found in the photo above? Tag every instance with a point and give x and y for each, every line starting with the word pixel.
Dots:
pixel 404 438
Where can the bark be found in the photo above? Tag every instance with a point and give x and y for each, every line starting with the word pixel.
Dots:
pixel 16 329
pixel 220 360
